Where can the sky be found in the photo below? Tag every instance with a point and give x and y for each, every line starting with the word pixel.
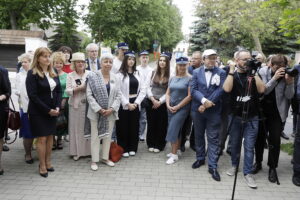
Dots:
pixel 186 8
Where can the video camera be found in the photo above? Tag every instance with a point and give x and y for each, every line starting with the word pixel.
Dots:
pixel 252 65
pixel 291 72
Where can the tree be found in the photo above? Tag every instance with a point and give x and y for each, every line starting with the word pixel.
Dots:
pixel 137 22
pixel 242 17
pixel 18 14
pixel 65 32
pixel 289 22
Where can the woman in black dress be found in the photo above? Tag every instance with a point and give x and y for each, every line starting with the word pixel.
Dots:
pixel 5 91
pixel 44 92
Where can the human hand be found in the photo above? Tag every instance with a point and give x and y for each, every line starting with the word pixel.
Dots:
pixel 208 104
pixel 53 113
pixel 156 104
pixel 279 73
pixel 107 112
pixel 2 97
pixel 289 79
pixel 201 109
pixel 131 106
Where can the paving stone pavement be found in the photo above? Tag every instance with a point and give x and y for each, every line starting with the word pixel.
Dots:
pixel 144 176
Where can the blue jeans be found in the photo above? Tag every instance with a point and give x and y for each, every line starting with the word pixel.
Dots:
pixel 211 123
pixel 249 135
pixel 143 123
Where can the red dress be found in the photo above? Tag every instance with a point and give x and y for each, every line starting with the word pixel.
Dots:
pixel 67 68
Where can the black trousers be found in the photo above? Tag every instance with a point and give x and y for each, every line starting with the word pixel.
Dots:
pixel 296 155
pixel 273 126
pixel 157 126
pixel 127 129
pixel 260 142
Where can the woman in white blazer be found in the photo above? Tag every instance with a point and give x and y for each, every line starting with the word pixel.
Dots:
pixel 133 92
pixel 104 96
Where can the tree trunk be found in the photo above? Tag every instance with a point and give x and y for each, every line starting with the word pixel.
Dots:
pixel 257 43
pixel 13 20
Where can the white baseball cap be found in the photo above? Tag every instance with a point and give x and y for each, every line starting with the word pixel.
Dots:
pixel 208 52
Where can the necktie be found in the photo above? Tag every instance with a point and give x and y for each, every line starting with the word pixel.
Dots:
pixel 93 66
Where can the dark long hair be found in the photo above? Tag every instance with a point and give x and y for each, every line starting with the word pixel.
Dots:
pixel 124 66
pixel 158 72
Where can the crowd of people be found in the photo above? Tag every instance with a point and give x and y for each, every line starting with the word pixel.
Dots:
pixel 98 100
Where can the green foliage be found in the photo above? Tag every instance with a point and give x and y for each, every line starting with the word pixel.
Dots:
pixel 65 32
pixel 137 22
pixel 288 148
pixel 289 17
pixel 18 14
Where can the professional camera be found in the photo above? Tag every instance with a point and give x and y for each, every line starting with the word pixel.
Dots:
pixel 252 65
pixel 291 72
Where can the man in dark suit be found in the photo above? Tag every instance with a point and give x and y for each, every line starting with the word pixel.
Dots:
pixel 206 89
pixel 92 62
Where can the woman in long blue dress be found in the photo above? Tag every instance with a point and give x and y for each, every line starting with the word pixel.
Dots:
pixel 178 99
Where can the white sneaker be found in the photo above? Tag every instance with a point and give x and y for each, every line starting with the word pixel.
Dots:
pixel 231 171
pixel 178 153
pixel 172 159
pixel 156 150
pixel 108 162
pixel 132 153
pixel 125 155
pixel 94 166
pixel 250 181
pixel 151 149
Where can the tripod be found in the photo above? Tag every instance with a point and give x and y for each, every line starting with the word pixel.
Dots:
pixel 245 110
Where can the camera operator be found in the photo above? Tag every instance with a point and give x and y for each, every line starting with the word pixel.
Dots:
pixel 279 90
pixel 236 84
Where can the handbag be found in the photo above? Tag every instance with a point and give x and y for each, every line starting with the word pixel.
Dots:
pixel 115 152
pixel 14 119
pixel 13 122
pixel 61 121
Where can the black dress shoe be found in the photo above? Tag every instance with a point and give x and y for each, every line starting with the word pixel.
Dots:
pixel 51 169
pixel 256 168
pixel 284 136
pixel 2 172
pixel 272 175
pixel 45 175
pixel 5 148
pixel 215 174
pixel 296 181
pixel 228 152
pixel 198 163
pixel 182 149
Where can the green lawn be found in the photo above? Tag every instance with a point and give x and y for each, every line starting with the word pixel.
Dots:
pixel 288 148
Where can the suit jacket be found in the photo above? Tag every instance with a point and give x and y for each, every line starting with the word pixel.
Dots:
pixel 114 99
pixel 88 67
pixel 283 92
pixel 39 93
pixel 5 88
pixel 213 93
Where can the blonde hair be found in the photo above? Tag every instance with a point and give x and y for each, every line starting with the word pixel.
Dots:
pixel 25 56
pixel 58 56
pixel 35 66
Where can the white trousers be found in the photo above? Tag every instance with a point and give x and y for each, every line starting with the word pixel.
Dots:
pixel 95 141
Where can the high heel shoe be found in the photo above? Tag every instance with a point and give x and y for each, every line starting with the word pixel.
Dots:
pixel 51 169
pixel 45 175
pixel 29 161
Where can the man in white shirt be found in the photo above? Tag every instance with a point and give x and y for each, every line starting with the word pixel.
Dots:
pixel 92 61
pixel 146 72
pixel 122 48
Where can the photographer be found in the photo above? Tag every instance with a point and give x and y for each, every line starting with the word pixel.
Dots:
pixel 236 84
pixel 279 90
